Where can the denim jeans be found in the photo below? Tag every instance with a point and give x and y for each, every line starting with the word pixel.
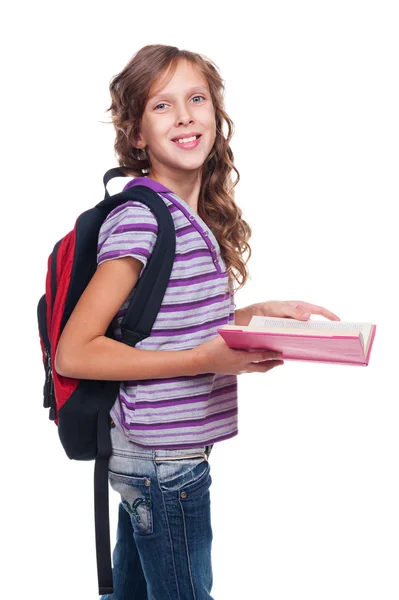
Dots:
pixel 164 534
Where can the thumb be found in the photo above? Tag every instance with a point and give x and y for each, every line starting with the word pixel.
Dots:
pixel 302 316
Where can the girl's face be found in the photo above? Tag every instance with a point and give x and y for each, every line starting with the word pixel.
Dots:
pixel 177 110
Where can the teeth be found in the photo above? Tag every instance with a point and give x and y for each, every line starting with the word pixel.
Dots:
pixel 185 140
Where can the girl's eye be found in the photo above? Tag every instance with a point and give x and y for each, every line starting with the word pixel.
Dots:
pixel 198 97
pixel 164 104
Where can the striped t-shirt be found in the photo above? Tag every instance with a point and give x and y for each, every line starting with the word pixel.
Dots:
pixel 186 411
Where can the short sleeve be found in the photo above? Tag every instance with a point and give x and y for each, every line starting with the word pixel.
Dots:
pixel 129 230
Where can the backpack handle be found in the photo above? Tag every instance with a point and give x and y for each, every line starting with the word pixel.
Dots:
pixel 110 174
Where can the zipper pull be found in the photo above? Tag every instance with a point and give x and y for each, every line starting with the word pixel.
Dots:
pixel 46 387
pixel 49 395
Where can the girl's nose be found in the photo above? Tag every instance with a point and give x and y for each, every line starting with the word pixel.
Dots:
pixel 184 115
pixel 184 120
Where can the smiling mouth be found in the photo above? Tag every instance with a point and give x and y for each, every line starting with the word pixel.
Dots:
pixel 192 143
pixel 189 140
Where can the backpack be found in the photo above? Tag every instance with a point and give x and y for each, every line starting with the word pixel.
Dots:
pixel 80 407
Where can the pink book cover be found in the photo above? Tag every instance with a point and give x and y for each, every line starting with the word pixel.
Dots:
pixel 337 349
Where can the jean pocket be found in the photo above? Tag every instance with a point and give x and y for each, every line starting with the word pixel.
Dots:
pixel 188 476
pixel 135 495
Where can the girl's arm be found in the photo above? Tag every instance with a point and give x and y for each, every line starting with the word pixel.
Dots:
pixel 84 352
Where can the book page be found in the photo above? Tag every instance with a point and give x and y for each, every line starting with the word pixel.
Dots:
pixel 331 328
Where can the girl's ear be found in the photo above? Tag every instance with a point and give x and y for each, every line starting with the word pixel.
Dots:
pixel 139 142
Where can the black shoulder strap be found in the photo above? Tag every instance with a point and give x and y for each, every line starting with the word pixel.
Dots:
pixel 136 326
pixel 151 287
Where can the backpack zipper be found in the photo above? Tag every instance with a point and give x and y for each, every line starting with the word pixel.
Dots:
pixel 48 389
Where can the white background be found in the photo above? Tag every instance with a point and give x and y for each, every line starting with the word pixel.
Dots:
pixel 305 499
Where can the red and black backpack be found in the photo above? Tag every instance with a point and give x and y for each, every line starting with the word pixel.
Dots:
pixel 80 407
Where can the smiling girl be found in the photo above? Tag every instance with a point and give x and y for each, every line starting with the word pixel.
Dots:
pixel 178 391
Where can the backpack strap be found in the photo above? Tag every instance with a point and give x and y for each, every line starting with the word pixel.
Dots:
pixel 150 289
pixel 101 504
pixel 136 326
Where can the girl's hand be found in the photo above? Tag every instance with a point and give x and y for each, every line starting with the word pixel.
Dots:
pixel 216 356
pixel 293 309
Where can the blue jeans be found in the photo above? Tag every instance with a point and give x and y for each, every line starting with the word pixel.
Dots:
pixel 164 535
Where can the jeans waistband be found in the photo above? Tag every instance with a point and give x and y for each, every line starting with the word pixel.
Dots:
pixel 124 447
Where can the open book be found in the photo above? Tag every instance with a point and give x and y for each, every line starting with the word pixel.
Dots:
pixel 317 341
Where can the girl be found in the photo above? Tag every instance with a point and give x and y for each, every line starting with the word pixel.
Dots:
pixel 178 394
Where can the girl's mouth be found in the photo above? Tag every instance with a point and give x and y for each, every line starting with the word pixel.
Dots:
pixel 188 143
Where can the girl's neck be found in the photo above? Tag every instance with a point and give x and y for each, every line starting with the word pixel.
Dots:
pixel 187 188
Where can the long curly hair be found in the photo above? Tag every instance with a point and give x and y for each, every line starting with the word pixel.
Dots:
pixel 129 91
